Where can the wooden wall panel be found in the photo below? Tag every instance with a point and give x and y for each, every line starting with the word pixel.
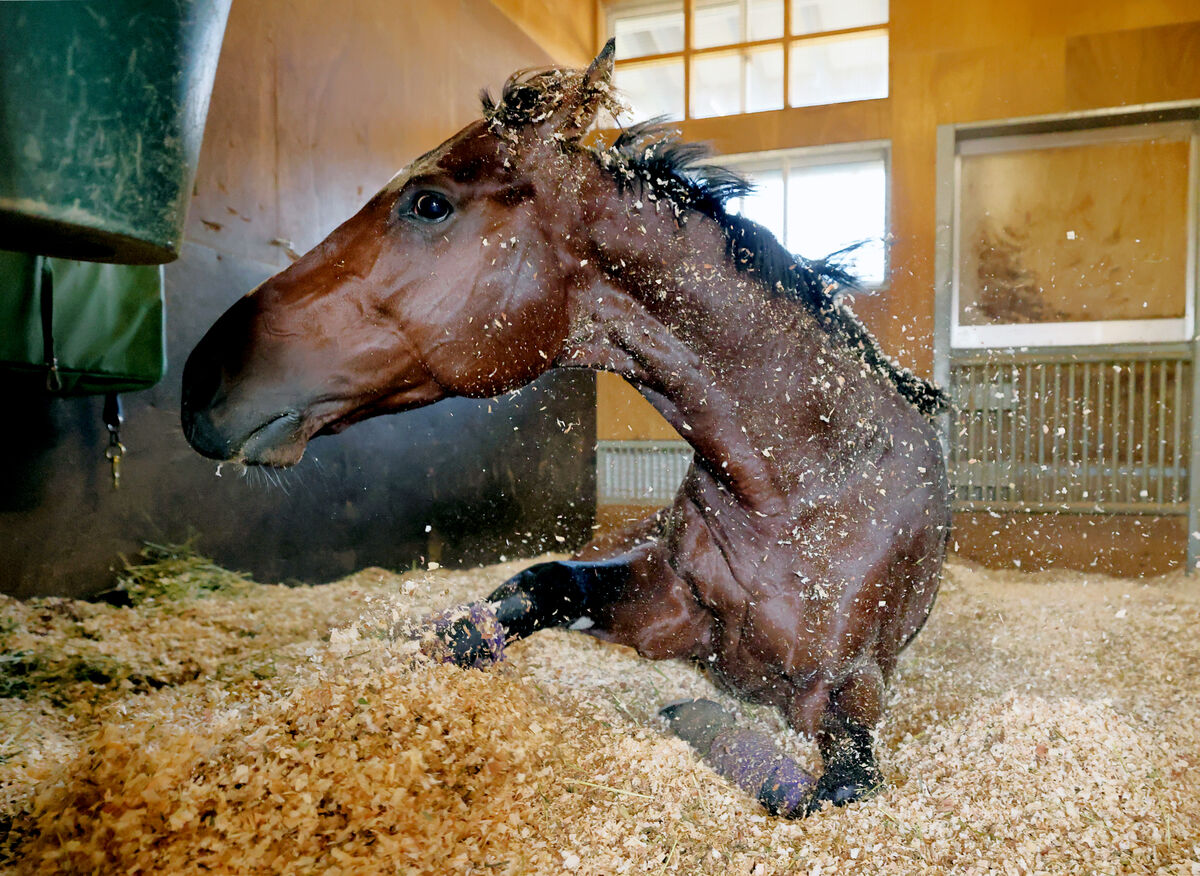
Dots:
pixel 814 126
pixel 947 25
pixel 622 414
pixel 234 204
pixel 324 103
pixel 567 30
pixel 1134 66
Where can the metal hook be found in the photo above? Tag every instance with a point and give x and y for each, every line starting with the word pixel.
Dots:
pixel 114 417
pixel 113 454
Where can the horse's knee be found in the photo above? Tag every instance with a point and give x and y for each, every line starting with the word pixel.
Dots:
pixel 657 614
pixel 860 697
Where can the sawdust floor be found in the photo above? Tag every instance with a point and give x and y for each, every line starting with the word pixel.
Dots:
pixel 1040 723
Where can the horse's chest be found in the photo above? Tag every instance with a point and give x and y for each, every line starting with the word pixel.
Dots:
pixel 777 589
pixel 739 567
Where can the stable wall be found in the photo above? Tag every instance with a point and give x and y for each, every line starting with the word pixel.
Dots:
pixel 954 62
pixel 315 107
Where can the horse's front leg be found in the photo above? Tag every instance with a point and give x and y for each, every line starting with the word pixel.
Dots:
pixel 634 598
pixel 845 739
pixel 553 594
pixel 557 594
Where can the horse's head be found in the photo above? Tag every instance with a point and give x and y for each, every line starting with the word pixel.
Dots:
pixel 450 281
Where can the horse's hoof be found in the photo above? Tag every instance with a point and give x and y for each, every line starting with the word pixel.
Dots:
pixel 839 792
pixel 469 636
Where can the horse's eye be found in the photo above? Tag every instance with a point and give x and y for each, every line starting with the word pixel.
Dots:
pixel 431 207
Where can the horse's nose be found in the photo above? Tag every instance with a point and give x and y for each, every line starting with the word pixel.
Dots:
pixel 204 437
pixel 201 383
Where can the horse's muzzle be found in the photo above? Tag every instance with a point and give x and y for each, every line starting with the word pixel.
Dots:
pixel 219 423
pixel 204 437
pixel 201 385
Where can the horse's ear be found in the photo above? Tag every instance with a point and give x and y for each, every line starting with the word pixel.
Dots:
pixel 575 116
pixel 599 72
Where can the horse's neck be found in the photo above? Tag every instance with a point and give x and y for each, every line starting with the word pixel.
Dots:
pixel 737 375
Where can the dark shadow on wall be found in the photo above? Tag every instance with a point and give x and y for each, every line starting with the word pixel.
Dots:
pixel 460 482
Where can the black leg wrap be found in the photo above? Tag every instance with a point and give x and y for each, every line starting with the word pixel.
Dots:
pixel 555 594
pixel 850 770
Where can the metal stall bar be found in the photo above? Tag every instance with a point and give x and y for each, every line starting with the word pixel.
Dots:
pixel 1100 445
pixel 1086 433
pixel 1160 494
pixel 1177 442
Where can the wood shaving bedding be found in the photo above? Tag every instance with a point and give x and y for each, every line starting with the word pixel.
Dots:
pixel 1041 723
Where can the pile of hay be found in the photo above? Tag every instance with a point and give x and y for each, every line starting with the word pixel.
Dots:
pixel 1040 723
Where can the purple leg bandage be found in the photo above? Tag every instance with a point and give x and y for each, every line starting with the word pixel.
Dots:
pixel 466 635
pixel 747 758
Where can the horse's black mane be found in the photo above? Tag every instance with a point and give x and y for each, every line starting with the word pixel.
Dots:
pixel 650 156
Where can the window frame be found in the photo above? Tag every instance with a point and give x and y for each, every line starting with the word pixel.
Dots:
pixel 827 155
pixel 788 39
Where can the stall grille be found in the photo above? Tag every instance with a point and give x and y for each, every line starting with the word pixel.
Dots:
pixel 1083 431
pixel 640 472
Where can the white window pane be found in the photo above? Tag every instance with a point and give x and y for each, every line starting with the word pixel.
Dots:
pixel 720 22
pixel 648 29
pixel 764 80
pixel 839 69
pixel 716 23
pixel 765 204
pixel 764 19
pixel 814 16
pixel 652 89
pixel 716 85
pixel 833 206
pixel 737 82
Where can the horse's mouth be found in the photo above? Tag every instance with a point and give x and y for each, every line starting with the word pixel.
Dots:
pixel 279 442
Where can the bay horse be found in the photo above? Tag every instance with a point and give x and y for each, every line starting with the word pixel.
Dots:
pixel 804 548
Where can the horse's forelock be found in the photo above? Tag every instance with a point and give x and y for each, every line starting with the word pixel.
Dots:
pixel 533 95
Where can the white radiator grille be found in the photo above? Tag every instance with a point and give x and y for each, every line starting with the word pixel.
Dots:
pixel 640 472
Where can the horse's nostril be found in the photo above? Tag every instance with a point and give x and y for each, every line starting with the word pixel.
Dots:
pixel 204 437
pixel 201 383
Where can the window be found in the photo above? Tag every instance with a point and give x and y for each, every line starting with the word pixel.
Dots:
pixel 821 200
pixel 1070 237
pixel 703 58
